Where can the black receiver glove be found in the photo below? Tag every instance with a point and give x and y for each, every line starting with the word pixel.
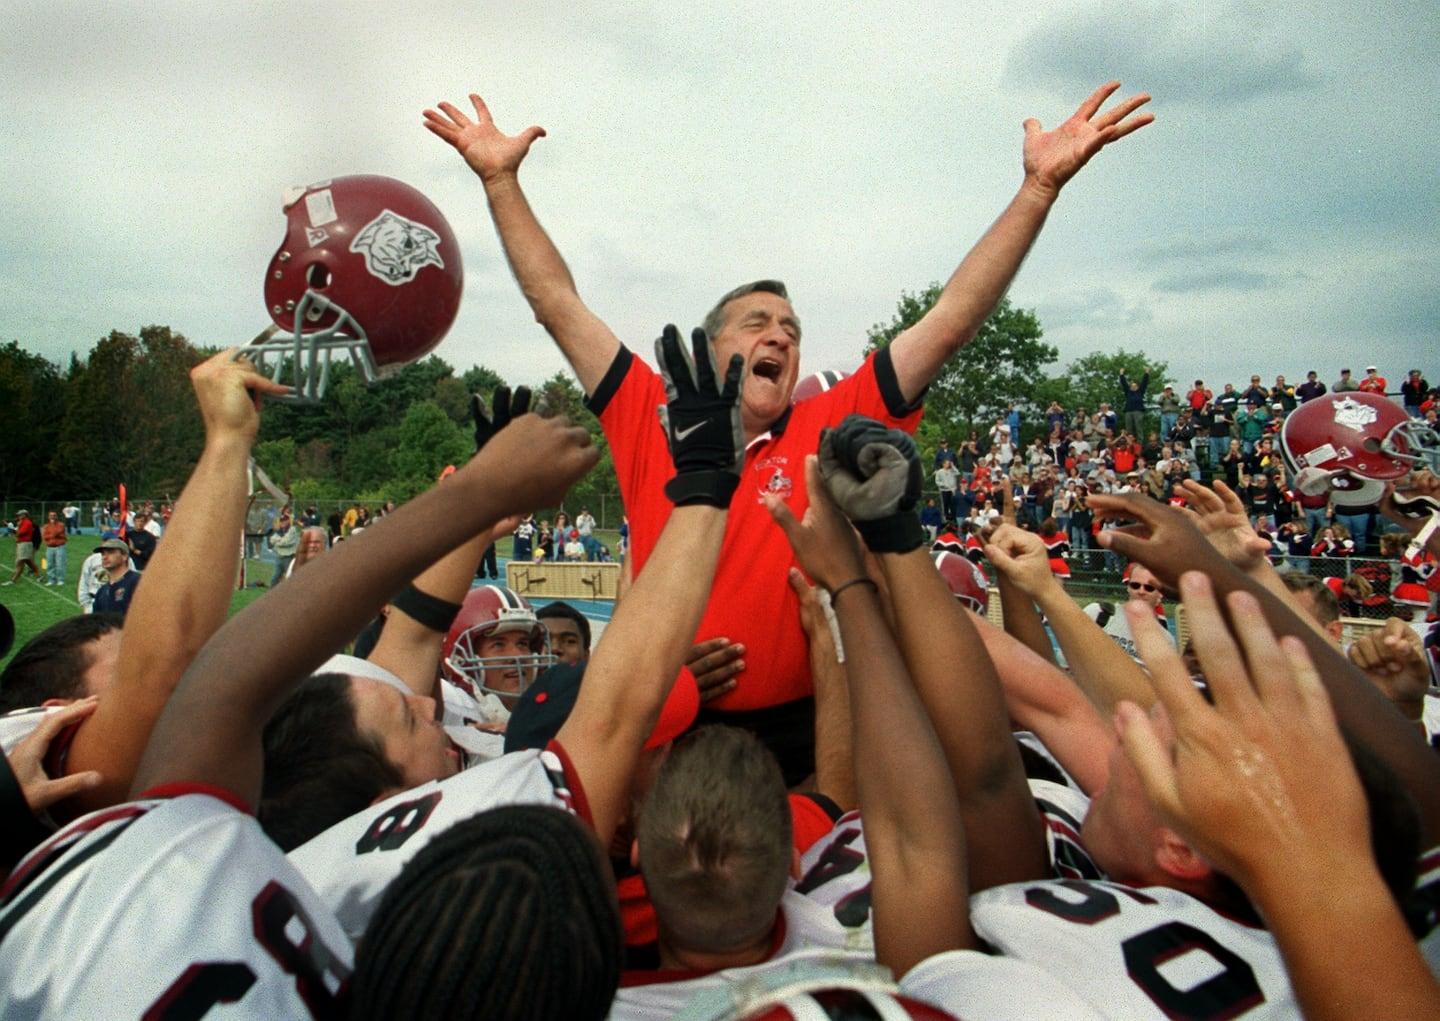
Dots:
pixel 503 406
pixel 874 475
pixel 701 421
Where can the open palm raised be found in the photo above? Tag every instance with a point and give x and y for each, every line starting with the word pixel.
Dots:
pixel 1052 157
pixel 488 151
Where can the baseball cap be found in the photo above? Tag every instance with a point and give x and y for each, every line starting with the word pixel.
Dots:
pixel 115 544
pixel 1371 368
pixel 22 514
pixel 547 703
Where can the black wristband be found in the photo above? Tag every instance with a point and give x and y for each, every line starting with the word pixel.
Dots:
pixel 710 489
pixel 435 613
pixel 895 533
pixel 20 831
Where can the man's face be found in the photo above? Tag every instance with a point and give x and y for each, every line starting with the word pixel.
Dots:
pixel 312 543
pixel 113 560
pixel 566 641
pixel 1144 586
pixel 507 680
pixel 51 518
pixel 1121 828
pixel 1229 388
pixel 406 729
pixel 762 329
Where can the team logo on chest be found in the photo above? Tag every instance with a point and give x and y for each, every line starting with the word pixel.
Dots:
pixel 395 248
pixel 772 477
pixel 1354 415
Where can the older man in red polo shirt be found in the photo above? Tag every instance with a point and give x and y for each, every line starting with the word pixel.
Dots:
pixel 752 603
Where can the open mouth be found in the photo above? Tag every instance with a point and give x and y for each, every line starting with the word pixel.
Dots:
pixel 768 369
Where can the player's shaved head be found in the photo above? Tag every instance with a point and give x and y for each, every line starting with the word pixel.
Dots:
pixel 715 841
pixel 511 914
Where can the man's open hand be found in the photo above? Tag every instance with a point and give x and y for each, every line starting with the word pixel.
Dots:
pixel 489 152
pixel 1053 157
pixel 1221 518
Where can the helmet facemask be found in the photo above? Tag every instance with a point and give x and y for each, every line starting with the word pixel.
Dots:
pixel 466 660
pixel 301 360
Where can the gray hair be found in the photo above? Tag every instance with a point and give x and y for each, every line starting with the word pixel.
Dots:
pixel 715 319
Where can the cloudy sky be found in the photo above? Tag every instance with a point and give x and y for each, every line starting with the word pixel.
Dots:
pixel 1282 213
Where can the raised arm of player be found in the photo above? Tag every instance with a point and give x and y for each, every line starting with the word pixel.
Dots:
pixel 1104 671
pixel 1263 785
pixel 408 647
pixel 963 696
pixel 587 343
pixel 1041 698
pixel 210 731
pixel 186 589
pixel 1050 159
pixel 647 641
pixel 914 836
pixel 834 743
pixel 1166 542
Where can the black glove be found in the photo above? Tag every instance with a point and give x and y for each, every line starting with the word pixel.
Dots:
pixel 873 474
pixel 701 421
pixel 504 407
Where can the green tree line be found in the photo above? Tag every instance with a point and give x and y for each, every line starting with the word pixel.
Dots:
pixel 125 413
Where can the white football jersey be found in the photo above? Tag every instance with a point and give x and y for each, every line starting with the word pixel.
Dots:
pixel 804 926
pixel 19 724
pixel 170 908
pixel 835 871
pixel 352 862
pixel 1430 720
pixel 1137 953
pixel 965 983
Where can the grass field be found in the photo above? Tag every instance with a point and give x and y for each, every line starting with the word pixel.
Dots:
pixel 35 606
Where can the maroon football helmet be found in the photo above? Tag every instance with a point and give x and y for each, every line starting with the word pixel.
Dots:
pixel 810 386
pixel 368 267
pixel 1352 444
pixel 488 610
pixel 966 582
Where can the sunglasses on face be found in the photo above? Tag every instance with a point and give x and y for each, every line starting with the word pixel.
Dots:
pixel 1140 586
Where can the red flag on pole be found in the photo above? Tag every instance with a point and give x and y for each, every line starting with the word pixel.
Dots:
pixel 124 506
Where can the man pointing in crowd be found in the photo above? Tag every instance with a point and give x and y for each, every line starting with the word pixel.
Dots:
pixel 759 611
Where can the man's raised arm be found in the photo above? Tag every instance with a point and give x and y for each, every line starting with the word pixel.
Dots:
pixel 187 586
pixel 587 343
pixel 210 731
pixel 1050 159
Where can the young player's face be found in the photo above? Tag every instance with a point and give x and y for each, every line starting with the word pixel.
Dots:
pixel 761 328
pixel 406 729
pixel 565 640
pixel 507 680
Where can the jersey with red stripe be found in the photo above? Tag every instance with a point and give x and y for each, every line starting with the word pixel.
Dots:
pixel 949 542
pixel 974 549
pixel 835 873
pixel 166 908
pixel 352 862
pixel 963 983
pixel 1132 953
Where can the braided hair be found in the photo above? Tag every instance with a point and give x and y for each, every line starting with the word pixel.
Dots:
pixel 510 914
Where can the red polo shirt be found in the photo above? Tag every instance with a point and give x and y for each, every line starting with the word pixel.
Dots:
pixel 751 601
